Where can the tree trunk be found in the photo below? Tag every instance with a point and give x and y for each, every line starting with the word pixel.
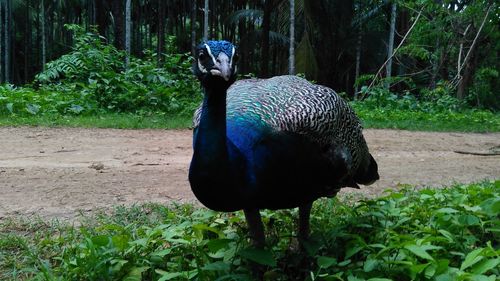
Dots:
pixel 44 47
pixel 27 43
pixel 160 50
pixel 435 65
pixel 128 30
pixel 117 10
pixel 2 47
pixel 469 70
pixel 8 38
pixel 390 44
pixel 193 27
pixel 266 28
pixel 358 60
pixel 205 21
pixel 91 12
pixel 291 59
pixel 101 16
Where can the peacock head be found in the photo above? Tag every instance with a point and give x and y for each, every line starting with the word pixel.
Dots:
pixel 215 63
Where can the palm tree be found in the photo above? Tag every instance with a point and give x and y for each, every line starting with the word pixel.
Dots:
pixel 390 43
pixel 291 60
pixel 128 30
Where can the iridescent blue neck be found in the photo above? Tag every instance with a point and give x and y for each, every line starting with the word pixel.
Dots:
pixel 211 140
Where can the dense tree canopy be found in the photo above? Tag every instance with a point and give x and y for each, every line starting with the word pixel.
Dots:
pixel 440 46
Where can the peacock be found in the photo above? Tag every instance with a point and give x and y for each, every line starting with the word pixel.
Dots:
pixel 271 143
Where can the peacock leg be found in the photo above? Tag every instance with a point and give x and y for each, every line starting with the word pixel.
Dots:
pixel 304 214
pixel 256 228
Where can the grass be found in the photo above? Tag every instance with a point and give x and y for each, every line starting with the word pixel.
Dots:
pixel 106 120
pixel 469 121
pixel 378 118
pixel 430 234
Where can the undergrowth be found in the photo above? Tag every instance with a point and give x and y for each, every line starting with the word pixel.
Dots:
pixel 435 110
pixel 430 234
pixel 93 79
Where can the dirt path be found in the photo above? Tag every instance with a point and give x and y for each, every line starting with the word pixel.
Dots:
pixel 61 172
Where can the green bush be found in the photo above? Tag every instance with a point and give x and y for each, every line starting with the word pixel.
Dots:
pixel 436 100
pixel 484 91
pixel 93 77
pixel 44 101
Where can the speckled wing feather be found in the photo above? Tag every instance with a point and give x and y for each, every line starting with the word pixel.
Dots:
pixel 292 104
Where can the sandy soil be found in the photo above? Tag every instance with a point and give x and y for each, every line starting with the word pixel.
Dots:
pixel 58 173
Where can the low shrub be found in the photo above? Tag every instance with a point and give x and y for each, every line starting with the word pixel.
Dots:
pixel 431 234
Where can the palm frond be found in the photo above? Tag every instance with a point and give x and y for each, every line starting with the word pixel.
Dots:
pixel 275 38
pixel 305 58
pixel 364 17
pixel 252 15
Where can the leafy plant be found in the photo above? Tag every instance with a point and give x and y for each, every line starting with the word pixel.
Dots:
pixel 93 78
pixel 431 234
pixel 484 91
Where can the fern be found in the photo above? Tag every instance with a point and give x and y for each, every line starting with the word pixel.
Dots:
pixel 67 66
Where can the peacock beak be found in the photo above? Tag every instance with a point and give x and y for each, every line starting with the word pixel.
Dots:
pixel 222 67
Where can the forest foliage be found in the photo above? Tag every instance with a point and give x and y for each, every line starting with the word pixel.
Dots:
pixel 92 78
pixel 430 234
pixel 446 48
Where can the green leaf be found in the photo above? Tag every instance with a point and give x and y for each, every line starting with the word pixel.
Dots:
pixel 217 244
pixel 447 211
pixel 352 251
pixel 354 278
pixel 491 206
pixel 217 266
pixel 418 251
pixel 259 256
pixel 120 241
pixel 417 268
pixel 10 107
pixel 326 262
pixel 162 253
pixel 370 264
pixel 167 275
pixel 135 274
pixel 100 240
pixel 430 271
pixel 74 108
pixel 485 265
pixel 468 220
pixel 33 108
pixel 379 279
pixel 447 234
pixel 472 258
pixel 482 278
pixel 344 263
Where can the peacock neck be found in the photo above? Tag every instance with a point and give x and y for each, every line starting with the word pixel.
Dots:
pixel 210 146
pixel 211 173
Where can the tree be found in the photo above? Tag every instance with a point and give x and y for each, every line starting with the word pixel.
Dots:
pixel 390 43
pixel 291 60
pixel 7 40
pixel 43 33
pixel 117 10
pixel 161 32
pixel 205 21
pixel 128 30
pixel 193 27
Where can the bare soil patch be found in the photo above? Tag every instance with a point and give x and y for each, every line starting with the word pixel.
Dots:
pixel 60 172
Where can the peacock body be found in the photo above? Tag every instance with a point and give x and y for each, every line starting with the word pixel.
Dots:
pixel 271 143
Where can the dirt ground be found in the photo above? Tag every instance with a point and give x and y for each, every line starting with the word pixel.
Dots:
pixel 58 173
